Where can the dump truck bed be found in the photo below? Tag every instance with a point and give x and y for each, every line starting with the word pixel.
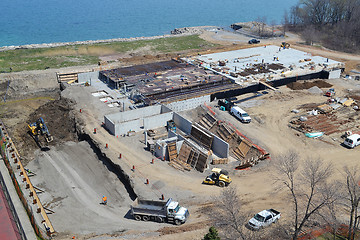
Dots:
pixel 149 207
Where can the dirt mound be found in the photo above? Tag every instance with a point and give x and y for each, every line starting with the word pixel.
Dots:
pixel 307 85
pixel 59 120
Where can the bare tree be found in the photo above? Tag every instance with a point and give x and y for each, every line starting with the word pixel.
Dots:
pixel 308 187
pixel 353 198
pixel 230 217
pixel 285 22
pixel 329 214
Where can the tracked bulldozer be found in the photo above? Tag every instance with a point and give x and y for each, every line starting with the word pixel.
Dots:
pixel 218 177
pixel 39 128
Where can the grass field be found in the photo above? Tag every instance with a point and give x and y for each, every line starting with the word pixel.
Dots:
pixel 77 55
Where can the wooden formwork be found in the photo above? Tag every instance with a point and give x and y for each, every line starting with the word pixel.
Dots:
pixel 171 146
pixel 243 148
pixel 201 137
pixel 207 121
pixel 225 132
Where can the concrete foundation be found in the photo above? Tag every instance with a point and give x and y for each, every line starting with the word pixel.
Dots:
pixel 138 119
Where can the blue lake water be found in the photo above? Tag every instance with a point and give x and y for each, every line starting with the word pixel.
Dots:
pixel 46 21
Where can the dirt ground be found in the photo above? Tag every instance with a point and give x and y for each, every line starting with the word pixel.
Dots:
pixel 74 195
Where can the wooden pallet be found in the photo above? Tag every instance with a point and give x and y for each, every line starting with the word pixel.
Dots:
pixel 171 146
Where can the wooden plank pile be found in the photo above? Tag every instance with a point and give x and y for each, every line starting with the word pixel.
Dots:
pixel 220 161
pixel 252 162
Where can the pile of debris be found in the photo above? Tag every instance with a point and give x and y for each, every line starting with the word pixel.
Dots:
pixel 334 116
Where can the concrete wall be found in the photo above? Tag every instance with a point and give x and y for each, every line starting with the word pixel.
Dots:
pixel 188 104
pixel 157 120
pixel 138 119
pixel 182 123
pixel 161 148
pixel 110 125
pixel 87 76
pixel 136 125
pixel 165 109
pixel 220 147
pixel 334 74
pixel 135 114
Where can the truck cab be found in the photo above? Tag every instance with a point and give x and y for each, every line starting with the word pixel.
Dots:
pixel 177 212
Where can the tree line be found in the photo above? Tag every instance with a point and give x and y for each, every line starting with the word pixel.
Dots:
pixel 333 23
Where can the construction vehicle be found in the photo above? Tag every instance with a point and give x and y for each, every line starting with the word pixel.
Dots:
pixel 39 128
pixel 171 126
pixel 285 45
pixel 330 92
pixel 160 211
pixel 218 177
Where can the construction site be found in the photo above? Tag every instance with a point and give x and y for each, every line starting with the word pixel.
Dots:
pixel 154 131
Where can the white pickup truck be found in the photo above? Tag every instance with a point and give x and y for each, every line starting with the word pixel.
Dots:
pixel 264 219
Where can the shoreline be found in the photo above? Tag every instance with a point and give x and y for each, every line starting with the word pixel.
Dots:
pixel 177 32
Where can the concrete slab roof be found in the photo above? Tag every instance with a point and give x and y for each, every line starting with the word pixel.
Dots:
pixel 262 60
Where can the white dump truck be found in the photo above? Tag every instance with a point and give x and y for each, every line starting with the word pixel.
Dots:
pixel 264 219
pixel 160 211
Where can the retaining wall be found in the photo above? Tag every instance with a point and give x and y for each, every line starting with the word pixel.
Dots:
pixel 220 147
pixel 182 123
pixel 188 103
pixel 138 120
pixel 275 83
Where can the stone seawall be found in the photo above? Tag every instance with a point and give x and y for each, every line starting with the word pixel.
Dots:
pixel 174 33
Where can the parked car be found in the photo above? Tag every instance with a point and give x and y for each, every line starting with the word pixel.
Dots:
pixel 264 219
pixel 254 41
pixel 352 141
pixel 240 114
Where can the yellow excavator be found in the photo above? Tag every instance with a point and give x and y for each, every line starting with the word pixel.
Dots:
pixel 285 45
pixel 39 128
pixel 218 177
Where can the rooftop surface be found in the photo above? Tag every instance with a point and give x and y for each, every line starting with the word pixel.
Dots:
pixel 169 80
pixel 265 62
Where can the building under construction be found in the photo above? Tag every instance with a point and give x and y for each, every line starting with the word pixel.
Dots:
pixel 185 83
pixel 166 82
